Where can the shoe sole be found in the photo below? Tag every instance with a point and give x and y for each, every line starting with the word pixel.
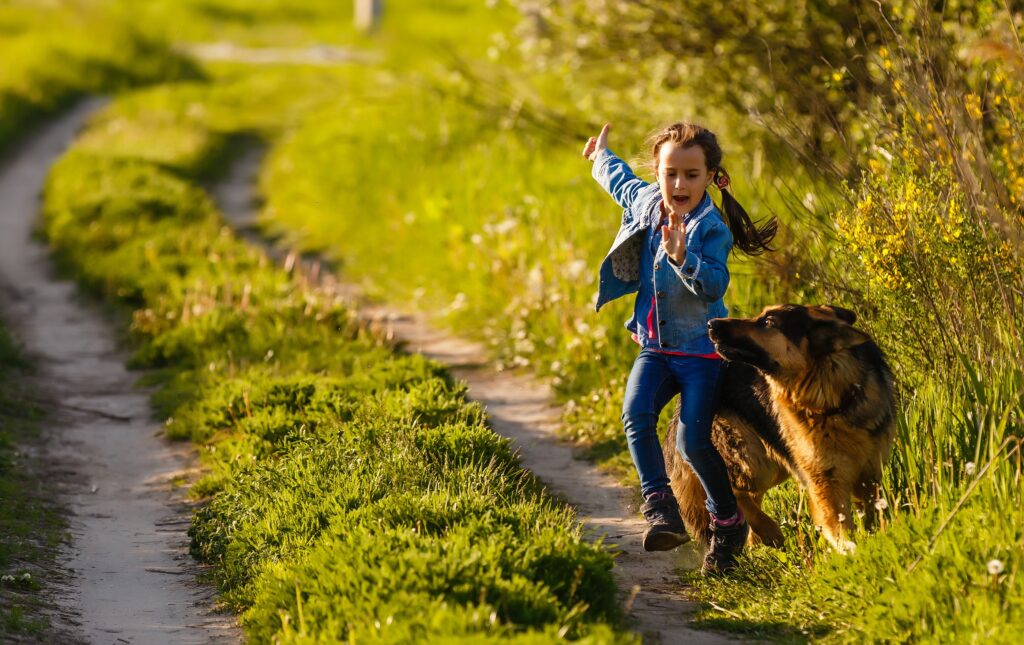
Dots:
pixel 665 541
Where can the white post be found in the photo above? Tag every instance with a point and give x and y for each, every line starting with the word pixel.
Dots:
pixel 367 14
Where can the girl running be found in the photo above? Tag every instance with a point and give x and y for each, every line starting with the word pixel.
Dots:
pixel 671 250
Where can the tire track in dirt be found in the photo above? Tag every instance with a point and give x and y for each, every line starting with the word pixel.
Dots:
pixel 519 407
pixel 132 580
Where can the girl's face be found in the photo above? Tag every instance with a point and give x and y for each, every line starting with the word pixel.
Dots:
pixel 683 176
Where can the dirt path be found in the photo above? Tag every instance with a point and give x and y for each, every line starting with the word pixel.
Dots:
pixel 132 578
pixel 521 408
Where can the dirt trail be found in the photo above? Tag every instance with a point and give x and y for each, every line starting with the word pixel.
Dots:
pixel 132 579
pixel 521 408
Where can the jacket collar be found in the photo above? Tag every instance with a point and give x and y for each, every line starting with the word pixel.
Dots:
pixel 704 207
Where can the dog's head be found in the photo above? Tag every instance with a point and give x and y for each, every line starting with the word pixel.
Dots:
pixel 784 341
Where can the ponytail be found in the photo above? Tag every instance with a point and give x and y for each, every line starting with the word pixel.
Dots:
pixel 751 238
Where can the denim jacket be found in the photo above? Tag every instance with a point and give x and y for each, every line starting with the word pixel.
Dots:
pixel 684 297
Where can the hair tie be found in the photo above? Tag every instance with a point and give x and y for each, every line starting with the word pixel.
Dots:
pixel 721 178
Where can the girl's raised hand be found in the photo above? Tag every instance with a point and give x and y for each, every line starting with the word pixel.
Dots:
pixel 596 145
pixel 673 238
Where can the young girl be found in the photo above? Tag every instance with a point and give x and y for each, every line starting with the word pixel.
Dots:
pixel 671 250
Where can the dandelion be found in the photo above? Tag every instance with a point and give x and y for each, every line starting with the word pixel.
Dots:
pixel 576 269
pixel 6 578
pixel 995 567
pixel 505 226
pixel 525 346
pixel 25 577
pixel 881 504
pixel 969 468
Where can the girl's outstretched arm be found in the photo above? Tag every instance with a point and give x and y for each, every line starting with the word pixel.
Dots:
pixel 614 174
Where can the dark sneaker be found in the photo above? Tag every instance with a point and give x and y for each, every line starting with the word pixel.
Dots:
pixel 726 543
pixel 666 530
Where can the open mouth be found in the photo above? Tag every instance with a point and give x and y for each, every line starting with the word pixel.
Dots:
pixel 680 199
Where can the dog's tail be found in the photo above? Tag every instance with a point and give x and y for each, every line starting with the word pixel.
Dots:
pixel 688 490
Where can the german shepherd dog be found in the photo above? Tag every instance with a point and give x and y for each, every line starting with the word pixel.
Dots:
pixel 803 394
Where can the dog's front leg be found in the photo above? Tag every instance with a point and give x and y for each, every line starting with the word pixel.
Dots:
pixel 830 510
pixel 763 528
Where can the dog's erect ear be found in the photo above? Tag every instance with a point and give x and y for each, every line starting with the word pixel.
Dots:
pixel 841 313
pixel 837 336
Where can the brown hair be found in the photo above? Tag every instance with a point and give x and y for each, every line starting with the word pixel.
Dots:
pixel 751 238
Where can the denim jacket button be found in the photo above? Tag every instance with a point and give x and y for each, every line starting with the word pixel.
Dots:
pixel 657 265
pixel 661 322
pixel 660 294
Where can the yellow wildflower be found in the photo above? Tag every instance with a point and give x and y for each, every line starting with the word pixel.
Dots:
pixel 972 103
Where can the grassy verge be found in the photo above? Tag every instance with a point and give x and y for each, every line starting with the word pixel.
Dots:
pixel 441 191
pixel 56 53
pixel 505 230
pixel 32 524
pixel 354 493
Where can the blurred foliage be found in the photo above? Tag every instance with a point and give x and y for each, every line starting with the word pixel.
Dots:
pixel 53 53
pixel 807 71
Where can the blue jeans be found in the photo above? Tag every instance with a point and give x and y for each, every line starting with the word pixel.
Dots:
pixel 654 381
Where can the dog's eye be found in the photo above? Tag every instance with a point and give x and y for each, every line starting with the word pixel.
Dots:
pixel 768 322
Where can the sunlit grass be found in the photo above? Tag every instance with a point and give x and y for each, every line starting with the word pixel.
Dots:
pixel 353 492
pixel 465 196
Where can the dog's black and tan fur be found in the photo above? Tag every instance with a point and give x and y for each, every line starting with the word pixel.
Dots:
pixel 804 394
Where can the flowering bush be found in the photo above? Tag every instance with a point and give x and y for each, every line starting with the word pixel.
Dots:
pixel 930 273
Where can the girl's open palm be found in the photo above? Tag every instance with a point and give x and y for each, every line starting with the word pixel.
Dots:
pixel 673 238
pixel 596 145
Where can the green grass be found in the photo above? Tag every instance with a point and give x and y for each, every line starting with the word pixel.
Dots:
pixel 33 526
pixel 446 177
pixel 56 53
pixel 353 492
pixel 497 225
